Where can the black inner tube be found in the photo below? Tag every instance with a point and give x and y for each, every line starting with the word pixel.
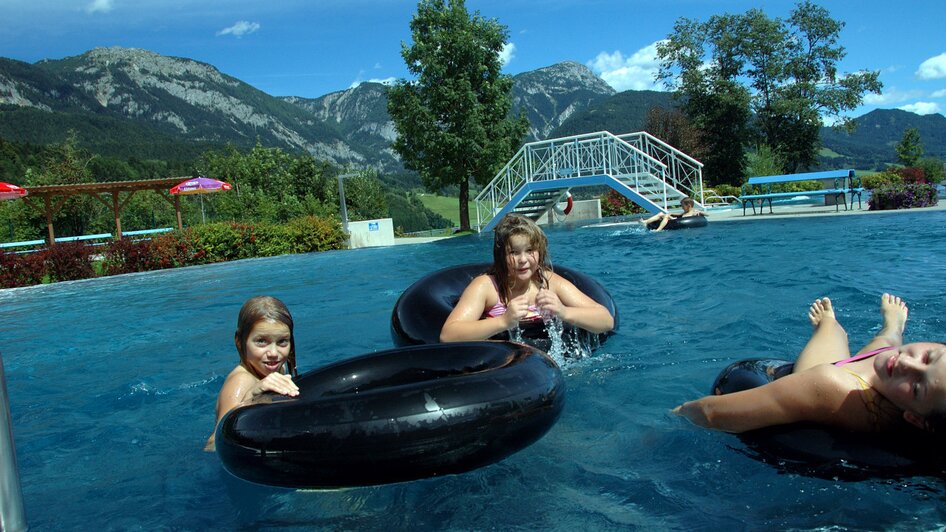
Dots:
pixel 690 222
pixel 396 415
pixel 825 452
pixel 423 308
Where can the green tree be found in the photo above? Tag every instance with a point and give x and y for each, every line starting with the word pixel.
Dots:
pixel 910 148
pixel 788 68
pixel 453 121
pixel 67 164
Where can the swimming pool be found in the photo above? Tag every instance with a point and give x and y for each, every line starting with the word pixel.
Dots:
pixel 112 383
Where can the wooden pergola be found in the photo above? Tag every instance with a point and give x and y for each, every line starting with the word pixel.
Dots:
pixel 54 196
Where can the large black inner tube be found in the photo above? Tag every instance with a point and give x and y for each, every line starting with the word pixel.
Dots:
pixel 825 452
pixel 690 222
pixel 396 415
pixel 422 309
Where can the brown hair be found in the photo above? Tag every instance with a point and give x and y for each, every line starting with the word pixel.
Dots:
pixel 511 225
pixel 687 202
pixel 264 308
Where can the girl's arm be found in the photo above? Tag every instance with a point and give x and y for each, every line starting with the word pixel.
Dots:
pixel 816 395
pixel 466 322
pixel 241 388
pixel 571 305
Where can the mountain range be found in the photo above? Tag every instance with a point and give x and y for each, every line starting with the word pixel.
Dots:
pixel 132 102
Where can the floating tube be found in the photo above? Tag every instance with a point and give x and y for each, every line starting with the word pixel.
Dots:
pixel 813 449
pixel 396 415
pixel 690 222
pixel 423 308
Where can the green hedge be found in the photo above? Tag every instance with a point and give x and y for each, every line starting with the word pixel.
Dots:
pixel 902 197
pixel 203 244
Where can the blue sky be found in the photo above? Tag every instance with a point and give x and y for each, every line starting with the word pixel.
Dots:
pixel 312 47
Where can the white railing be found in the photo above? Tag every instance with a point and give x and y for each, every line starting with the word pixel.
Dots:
pixel 591 154
pixel 684 172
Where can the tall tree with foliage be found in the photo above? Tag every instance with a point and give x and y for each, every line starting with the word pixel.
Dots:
pixel 453 121
pixel 788 68
pixel 910 148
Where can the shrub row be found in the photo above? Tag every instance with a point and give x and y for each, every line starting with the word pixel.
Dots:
pixel 204 244
pixel 900 196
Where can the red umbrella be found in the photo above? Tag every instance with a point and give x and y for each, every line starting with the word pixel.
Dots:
pixel 200 185
pixel 8 191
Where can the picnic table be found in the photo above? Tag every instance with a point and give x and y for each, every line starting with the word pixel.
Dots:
pixel 838 184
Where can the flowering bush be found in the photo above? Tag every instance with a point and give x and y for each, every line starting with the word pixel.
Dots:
pixel 125 256
pixel 902 197
pixel 614 204
pixel 21 269
pixel 68 261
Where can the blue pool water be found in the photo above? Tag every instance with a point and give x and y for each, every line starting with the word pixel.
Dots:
pixel 112 384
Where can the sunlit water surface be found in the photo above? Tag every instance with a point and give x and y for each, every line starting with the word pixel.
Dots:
pixel 113 382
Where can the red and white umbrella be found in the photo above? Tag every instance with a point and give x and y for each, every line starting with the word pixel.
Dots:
pixel 8 191
pixel 200 185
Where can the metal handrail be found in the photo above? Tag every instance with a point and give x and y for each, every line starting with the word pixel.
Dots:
pixel 600 153
pixel 12 514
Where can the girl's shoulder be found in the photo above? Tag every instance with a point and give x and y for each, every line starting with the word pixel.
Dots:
pixel 239 375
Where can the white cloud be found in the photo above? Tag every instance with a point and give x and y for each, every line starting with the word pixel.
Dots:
pixel 933 68
pixel 628 73
pixel 99 6
pixel 240 29
pixel 507 53
pixel 891 96
pixel 384 81
pixel 922 108
pixel 939 94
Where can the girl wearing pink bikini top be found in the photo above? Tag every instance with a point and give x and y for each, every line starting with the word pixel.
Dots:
pixel 520 286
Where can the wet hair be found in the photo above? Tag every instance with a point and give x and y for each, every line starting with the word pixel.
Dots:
pixel 511 225
pixel 687 202
pixel 258 309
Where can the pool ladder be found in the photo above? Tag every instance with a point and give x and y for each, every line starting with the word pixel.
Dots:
pixel 12 516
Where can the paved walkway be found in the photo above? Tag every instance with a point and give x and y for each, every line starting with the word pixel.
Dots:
pixel 735 215
pixel 797 211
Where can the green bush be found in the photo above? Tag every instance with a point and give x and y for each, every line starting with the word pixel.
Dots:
pixel 727 190
pixel 881 179
pixel 902 197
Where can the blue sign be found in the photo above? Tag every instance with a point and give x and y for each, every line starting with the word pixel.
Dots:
pixel 372 226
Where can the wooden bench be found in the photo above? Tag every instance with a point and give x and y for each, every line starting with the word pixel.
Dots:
pixel 843 181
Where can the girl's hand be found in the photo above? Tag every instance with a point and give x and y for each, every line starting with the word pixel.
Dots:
pixel 278 383
pixel 549 303
pixel 516 310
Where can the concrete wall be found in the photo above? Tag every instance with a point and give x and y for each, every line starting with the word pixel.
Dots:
pixel 581 210
pixel 371 233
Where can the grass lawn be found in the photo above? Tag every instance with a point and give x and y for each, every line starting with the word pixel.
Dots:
pixel 447 207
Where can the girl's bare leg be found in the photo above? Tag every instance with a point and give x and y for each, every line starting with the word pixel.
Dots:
pixel 828 342
pixel 894 312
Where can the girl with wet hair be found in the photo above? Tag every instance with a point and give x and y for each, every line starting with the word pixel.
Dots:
pixel 520 286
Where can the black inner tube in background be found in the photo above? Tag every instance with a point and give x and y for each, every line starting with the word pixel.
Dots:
pixel 825 452
pixel 396 415
pixel 422 309
pixel 690 222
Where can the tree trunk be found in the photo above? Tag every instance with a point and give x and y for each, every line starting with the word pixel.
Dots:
pixel 465 205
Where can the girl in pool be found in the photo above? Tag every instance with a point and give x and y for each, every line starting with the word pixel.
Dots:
pixel 882 386
pixel 520 286
pixel 267 356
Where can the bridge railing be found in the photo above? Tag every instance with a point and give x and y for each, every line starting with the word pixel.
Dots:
pixel 590 154
pixel 683 172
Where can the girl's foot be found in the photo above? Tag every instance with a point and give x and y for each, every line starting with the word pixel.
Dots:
pixel 894 312
pixel 821 310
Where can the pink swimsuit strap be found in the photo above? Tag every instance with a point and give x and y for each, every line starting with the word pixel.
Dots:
pixel 862 356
